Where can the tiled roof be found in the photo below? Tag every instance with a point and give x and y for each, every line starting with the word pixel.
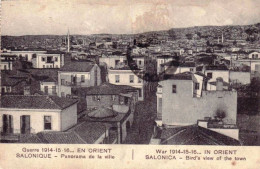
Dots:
pixel 179 76
pixel 222 67
pixel 83 133
pixel 8 81
pixel 187 64
pixel 36 102
pixel 106 89
pixel 53 137
pixel 60 138
pixel 194 135
pixel 102 113
pixel 89 131
pixel 46 75
pixel 76 66
pixel 119 117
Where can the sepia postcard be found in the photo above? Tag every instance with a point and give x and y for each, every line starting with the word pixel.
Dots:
pixel 130 84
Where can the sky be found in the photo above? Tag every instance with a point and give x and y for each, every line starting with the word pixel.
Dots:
pixel 55 17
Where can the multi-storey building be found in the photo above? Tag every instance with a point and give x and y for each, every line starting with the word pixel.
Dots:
pixel 125 76
pixel 182 99
pixel 77 74
pixel 48 60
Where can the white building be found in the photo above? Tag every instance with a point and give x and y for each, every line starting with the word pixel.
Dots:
pixel 126 77
pixel 32 114
pixel 113 61
pixel 77 74
pixel 48 60
pixel 26 54
pixel 213 72
pixel 254 55
pixel 6 65
pixel 161 60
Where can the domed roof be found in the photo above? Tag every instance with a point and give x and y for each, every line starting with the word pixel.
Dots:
pixel 102 113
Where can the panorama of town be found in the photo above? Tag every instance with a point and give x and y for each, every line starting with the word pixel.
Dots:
pixel 183 86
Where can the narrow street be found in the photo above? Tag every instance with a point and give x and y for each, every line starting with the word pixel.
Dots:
pixel 142 128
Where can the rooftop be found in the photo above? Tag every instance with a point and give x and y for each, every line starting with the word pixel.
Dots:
pixel 106 89
pixel 179 76
pixel 35 102
pixel 83 133
pixel 76 66
pixel 219 67
pixel 194 135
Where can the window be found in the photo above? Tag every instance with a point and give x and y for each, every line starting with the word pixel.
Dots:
pixel 62 81
pixel 131 78
pixel 47 122
pixel 191 69
pixel 113 97
pixel 43 66
pixel 174 89
pixel 8 89
pixel 140 93
pixel 4 67
pixel 46 89
pixel 197 86
pixel 139 80
pixel 56 59
pixel 53 90
pixel 209 75
pixel 47 66
pixel 43 59
pixel 140 62
pixel 94 98
pixel 98 98
pixel 57 66
pixel 117 78
pixel 82 78
pixel 50 66
pixel 256 56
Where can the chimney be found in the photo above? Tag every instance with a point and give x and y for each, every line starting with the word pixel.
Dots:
pixel 219 84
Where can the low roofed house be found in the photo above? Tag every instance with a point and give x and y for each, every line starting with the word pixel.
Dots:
pixel 32 114
pixel 108 94
pixel 113 105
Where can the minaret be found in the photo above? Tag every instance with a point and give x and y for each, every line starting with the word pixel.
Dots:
pixel 68 40
pixel 222 38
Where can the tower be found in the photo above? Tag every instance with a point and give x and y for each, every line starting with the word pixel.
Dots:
pixel 222 38
pixel 68 40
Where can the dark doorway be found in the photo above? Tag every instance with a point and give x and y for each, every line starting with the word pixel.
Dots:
pixel 25 124
pixel 7 124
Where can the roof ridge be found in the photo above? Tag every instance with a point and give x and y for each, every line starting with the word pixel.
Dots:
pixel 52 101
pixel 212 138
pixel 74 132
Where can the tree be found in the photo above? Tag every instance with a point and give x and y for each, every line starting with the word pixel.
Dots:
pixel 172 34
pixel 189 36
